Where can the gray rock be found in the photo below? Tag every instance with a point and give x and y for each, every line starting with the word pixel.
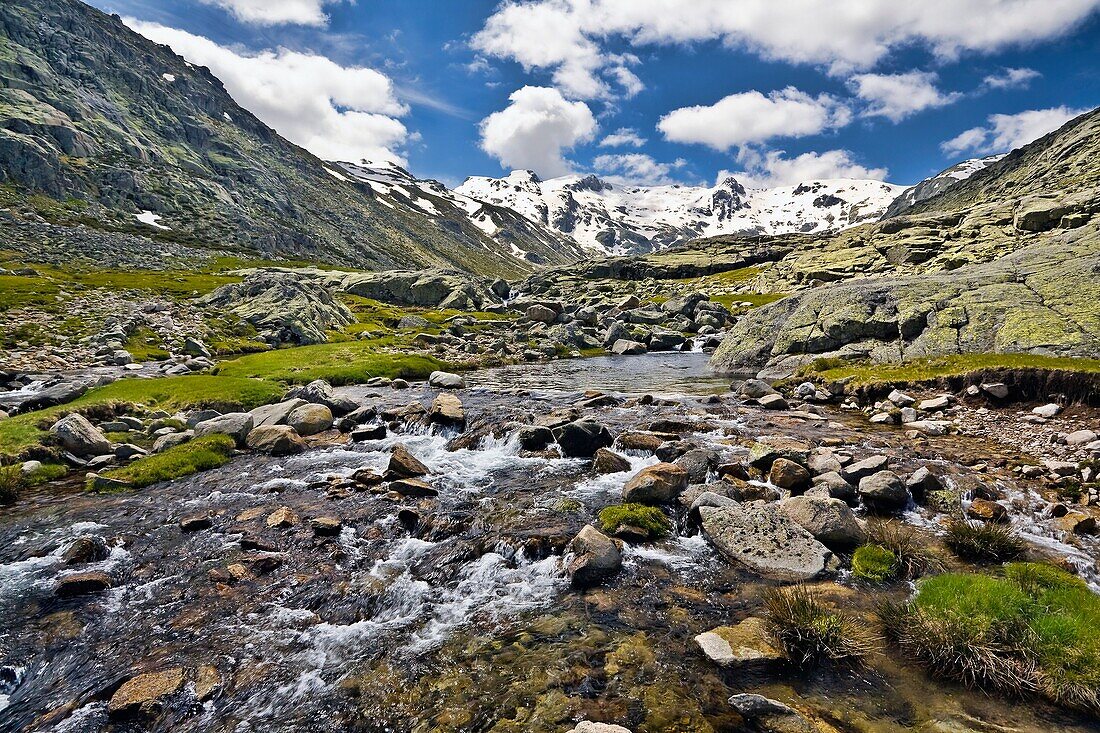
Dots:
pixel 765 541
pixel 446 380
pixel 319 392
pixel 1080 437
pixel 170 440
pixel 656 484
pixel 596 556
pixel 235 424
pixel 284 308
pixel 274 414
pixel 884 492
pixel 626 347
pixel 773 402
pixel 541 314
pixel 746 645
pixel 997 390
pixel 79 436
pixel 935 404
pixel 861 469
pixel 277 440
pixel 830 521
pixel 582 438
pixel 310 419
pixel 1048 410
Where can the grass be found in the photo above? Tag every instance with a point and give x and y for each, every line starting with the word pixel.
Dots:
pixel 913 558
pixel 925 370
pixel 48 472
pixel 341 363
pixel 874 563
pixel 145 345
pixel 199 454
pixel 810 632
pixel 649 519
pixel 21 432
pixel 1033 630
pixel 981 542
pixel 11 484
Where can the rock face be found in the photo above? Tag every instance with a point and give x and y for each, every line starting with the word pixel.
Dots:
pixel 657 484
pixel 80 437
pixel 765 541
pixel 284 308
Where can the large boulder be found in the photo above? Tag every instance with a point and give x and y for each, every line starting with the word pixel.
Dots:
pixel 582 438
pixel 274 414
pixel 310 419
pixel 830 521
pixel 596 556
pixel 657 484
pixel 237 425
pixel 767 542
pixel 424 288
pixel 80 437
pixel 884 492
pixel 278 440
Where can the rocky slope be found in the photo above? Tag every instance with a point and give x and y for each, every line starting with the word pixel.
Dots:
pixel 103 128
pixel 621 219
pixel 938 183
pixel 988 265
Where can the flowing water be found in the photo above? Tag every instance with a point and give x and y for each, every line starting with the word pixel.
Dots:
pixel 443 614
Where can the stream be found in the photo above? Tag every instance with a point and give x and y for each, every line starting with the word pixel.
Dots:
pixel 449 613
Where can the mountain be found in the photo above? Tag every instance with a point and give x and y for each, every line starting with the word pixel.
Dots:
pixel 621 219
pixel 930 187
pixel 103 130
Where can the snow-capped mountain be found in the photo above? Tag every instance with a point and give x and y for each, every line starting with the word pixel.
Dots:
pixel 395 187
pixel 929 187
pixel 623 219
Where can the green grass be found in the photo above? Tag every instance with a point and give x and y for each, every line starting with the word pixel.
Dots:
pixel 650 519
pixel 48 472
pixel 21 432
pixel 145 345
pixel 374 315
pixel 729 277
pixel 924 370
pixel 17 292
pixel 874 563
pixel 757 299
pixel 809 631
pixel 1035 629
pixel 981 542
pixel 200 454
pixel 340 363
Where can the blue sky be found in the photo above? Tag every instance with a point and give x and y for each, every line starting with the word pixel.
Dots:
pixel 772 90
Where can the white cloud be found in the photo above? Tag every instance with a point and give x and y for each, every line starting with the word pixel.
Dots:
pixel 772 168
pixel 637 169
pixel 1008 132
pixel 275 12
pixel 752 117
pixel 1010 78
pixel 622 137
pixel 535 130
pixel 897 96
pixel 336 112
pixel 566 35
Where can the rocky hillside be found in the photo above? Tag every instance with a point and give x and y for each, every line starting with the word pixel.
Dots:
pixel 938 183
pixel 988 265
pixel 610 218
pixel 103 128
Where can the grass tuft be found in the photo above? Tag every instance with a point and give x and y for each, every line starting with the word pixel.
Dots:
pixel 12 483
pixel 912 555
pixel 810 632
pixel 199 454
pixel 981 542
pixel 875 564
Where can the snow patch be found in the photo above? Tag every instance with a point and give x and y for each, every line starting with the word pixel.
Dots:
pixel 148 217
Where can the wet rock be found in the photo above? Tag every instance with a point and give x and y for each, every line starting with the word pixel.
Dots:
pixel 833 485
pixel 786 474
pixel 770 715
pixel 310 419
pixel 987 511
pixel 862 469
pixel 79 436
pixel 884 492
pixel 596 557
pixel 404 464
pixel 447 409
pixel 765 541
pixel 276 440
pixel 582 438
pixel 698 462
pixel 375 431
pixel 326 526
pixel 830 521
pixel 446 380
pixel 590 727
pixel 367 477
pixel 145 693
pixel 237 425
pixel 656 484
pixel 769 447
pixel 412 487
pixel 922 483
pixel 1076 523
pixel 275 414
pixel 626 347
pixel 773 402
pixel 196 523
pixel 82 584
pixel 207 682
pixel 89 548
pixel 284 516
pixel 607 461
pixel 1048 410
pixel 748 644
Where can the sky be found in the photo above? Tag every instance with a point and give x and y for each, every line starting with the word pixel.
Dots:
pixel 646 92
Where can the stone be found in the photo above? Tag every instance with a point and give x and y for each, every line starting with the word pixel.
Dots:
pixel 207 681
pixel 755 389
pixel 319 392
pixel 835 486
pixel 276 440
pixel 930 427
pixel 786 474
pixel 82 584
pixel 857 471
pixel 596 557
pixel 900 399
pixel 199 416
pixel 413 487
pixel 105 484
pixel 626 347
pixel 935 404
pixel 1076 523
pixel 171 440
pixel 541 314
pixel 310 419
pixel 1048 410
pixel 588 726
pixel 830 521
pixel 582 438
pixel 145 693
pixel 446 380
pixel 773 402
pixel 375 431
pixel 326 526
pixel 196 522
pixel 608 461
pixel 922 483
pixel 275 414
pixel 534 437
pixel 824 460
pixel 884 491
pixel 447 410
pixel 746 645
pixel 79 436
pixel 237 425
pixel 987 511
pixel 656 484
pixel 284 516
pixel 771 716
pixel 29 468
pixel 1080 437
pixel 403 464
pixel 194 347
pixel 765 541
pixel 996 390
pixel 84 549
pixel 698 462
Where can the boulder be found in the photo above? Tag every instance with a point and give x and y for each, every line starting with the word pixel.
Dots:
pixel 310 419
pixel 1048 411
pixel 923 482
pixel 608 461
pixel 274 414
pixel 413 487
pixel 830 521
pixel 746 645
pixel 771 716
pixel 935 404
pixel 446 380
pixel 404 464
pixel 833 485
pixel 884 492
pixel 596 556
pixel 87 548
pixel 626 347
pixel 284 516
pixel 582 438
pixel 656 484
pixel 276 440
pixel 765 541
pixel 534 437
pixel 786 474
pixel 754 389
pixel 237 425
pixel 447 410
pixel 857 471
pixel 987 511
pixel 82 584
pixel 698 462
pixel 319 392
pixel 541 314
pixel 1081 437
pixel 773 402
pixel 145 693
pixel 80 437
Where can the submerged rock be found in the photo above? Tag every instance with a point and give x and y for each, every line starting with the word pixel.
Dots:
pixel 144 693
pixel 746 644
pixel 82 584
pixel 765 541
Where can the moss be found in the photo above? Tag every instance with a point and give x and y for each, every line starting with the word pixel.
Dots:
pixel 200 454
pixel 923 370
pixel 48 472
pixel 756 299
pixel 342 363
pixel 647 518
pixel 569 506
pixel 874 563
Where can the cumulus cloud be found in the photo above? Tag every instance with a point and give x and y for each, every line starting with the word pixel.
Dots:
pixel 567 35
pixel 752 117
pixel 336 112
pixel 897 96
pixel 637 169
pixel 622 137
pixel 767 169
pixel 275 12
pixel 1008 132
pixel 536 129
pixel 1010 78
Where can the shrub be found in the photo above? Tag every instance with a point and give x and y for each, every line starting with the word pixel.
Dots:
pixel 913 556
pixel 199 454
pixel 874 563
pixel 650 519
pixel 11 484
pixel 809 631
pixel 981 542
